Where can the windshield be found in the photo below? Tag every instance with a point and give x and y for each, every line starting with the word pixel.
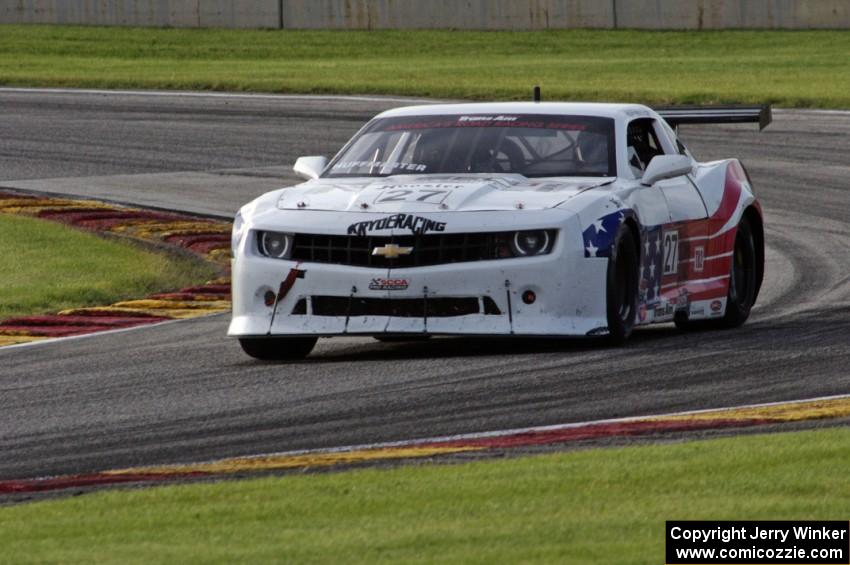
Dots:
pixel 530 145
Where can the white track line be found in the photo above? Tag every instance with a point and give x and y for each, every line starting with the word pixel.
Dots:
pixel 497 433
pixel 53 340
pixel 260 96
pixel 202 94
pixel 119 203
pixel 461 437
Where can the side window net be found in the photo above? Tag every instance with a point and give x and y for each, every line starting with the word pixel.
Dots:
pixel 643 144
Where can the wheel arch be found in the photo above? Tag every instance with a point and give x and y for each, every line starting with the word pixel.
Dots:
pixel 632 224
pixel 754 217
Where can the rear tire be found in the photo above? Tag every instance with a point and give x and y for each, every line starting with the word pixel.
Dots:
pixel 622 286
pixel 278 348
pixel 742 278
pixel 743 285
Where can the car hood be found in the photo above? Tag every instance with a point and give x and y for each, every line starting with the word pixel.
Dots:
pixel 415 193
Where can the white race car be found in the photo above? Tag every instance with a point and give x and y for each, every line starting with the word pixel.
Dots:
pixel 504 219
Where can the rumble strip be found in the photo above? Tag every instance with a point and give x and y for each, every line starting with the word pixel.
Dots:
pixel 725 418
pixel 209 239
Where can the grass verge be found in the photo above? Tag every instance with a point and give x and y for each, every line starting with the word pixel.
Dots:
pixel 47 267
pixel 594 506
pixel 788 68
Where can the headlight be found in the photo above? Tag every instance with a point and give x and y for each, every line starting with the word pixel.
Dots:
pixel 531 242
pixel 274 244
pixel 236 234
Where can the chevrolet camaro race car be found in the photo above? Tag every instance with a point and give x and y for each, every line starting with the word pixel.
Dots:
pixel 501 219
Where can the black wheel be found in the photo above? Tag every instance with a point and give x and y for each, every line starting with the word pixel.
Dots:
pixel 742 279
pixel 743 285
pixel 399 338
pixel 622 286
pixel 278 348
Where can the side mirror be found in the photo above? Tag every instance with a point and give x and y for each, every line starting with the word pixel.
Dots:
pixel 310 167
pixel 666 167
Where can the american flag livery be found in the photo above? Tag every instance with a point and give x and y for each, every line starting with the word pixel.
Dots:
pixel 677 223
pixel 682 262
pixel 599 235
pixel 651 267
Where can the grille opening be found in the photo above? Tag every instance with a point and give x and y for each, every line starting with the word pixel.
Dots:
pixel 428 249
pixel 490 307
pixel 398 307
pixel 300 308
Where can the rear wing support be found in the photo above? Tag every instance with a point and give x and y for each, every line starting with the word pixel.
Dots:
pixel 676 115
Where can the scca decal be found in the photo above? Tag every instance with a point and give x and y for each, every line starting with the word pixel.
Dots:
pixel 388 284
pixel 416 224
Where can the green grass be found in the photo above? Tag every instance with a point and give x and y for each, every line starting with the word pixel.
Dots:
pixel 789 68
pixel 596 506
pixel 46 267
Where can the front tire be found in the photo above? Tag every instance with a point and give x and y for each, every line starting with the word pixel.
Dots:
pixel 622 286
pixel 278 348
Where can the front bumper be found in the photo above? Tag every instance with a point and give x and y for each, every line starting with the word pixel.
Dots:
pixel 569 291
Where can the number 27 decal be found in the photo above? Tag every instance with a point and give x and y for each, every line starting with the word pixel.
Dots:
pixel 671 252
pixel 406 195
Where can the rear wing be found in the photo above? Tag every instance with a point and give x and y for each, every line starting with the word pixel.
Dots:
pixel 676 115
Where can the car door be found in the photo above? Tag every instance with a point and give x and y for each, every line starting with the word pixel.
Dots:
pixel 689 216
pixel 683 199
pixel 675 247
pixel 649 202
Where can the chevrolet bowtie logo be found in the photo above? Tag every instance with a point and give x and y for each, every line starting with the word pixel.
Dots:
pixel 392 251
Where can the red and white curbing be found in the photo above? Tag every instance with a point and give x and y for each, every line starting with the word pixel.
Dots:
pixel 824 408
pixel 209 239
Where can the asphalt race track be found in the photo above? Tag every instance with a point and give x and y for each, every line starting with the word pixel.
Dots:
pixel 184 392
